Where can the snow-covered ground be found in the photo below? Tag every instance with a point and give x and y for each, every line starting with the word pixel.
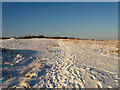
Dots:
pixel 48 63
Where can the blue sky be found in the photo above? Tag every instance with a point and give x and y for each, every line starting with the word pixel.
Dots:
pixel 74 19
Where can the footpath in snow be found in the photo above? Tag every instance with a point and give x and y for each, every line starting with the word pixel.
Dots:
pixel 57 63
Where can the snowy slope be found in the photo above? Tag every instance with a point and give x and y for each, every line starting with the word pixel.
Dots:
pixel 47 63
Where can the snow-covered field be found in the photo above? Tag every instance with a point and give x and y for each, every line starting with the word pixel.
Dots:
pixel 48 63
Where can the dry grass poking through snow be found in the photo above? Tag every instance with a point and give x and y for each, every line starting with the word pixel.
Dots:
pixel 65 40
pixel 113 43
pixel 48 50
pixel 88 43
pixel 16 41
pixel 103 46
pixel 73 41
pixel 53 45
pixel 104 43
pixel 98 45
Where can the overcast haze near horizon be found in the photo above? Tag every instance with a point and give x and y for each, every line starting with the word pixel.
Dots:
pixel 87 20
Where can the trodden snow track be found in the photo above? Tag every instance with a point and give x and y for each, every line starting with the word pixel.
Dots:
pixel 63 65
